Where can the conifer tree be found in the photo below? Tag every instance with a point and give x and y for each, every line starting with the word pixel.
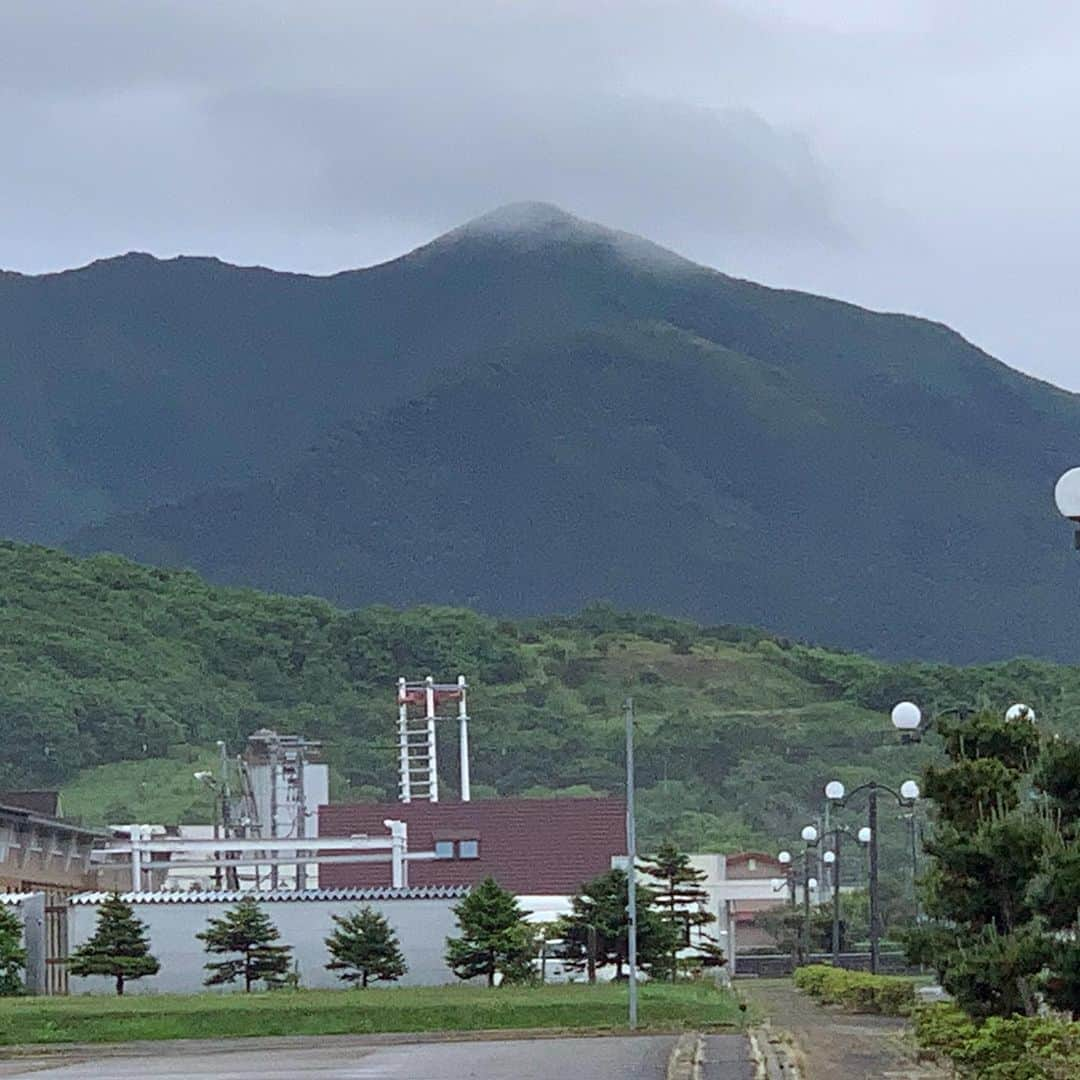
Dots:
pixel 119 946
pixel 12 954
pixel 679 897
pixel 365 948
pixel 600 909
pixel 494 936
pixel 247 931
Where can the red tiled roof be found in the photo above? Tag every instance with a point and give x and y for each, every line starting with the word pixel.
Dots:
pixel 530 846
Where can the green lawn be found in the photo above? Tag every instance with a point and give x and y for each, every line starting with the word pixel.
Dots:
pixel 338 1012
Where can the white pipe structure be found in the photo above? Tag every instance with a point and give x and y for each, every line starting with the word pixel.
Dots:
pixel 433 763
pixel 403 741
pixel 463 740
pixel 140 843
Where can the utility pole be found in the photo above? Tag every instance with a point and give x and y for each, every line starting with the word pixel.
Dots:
pixel 875 919
pixel 806 935
pixel 631 850
pixel 836 899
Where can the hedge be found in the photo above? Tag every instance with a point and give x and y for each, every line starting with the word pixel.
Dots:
pixel 857 991
pixel 999 1048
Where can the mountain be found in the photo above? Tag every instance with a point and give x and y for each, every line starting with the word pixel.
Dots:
pixel 534 411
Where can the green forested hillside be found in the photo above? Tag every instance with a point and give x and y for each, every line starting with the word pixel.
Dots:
pixel 103 661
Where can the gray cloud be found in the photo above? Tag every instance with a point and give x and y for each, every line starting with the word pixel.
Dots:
pixel 906 154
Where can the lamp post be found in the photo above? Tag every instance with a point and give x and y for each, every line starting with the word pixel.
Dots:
pixel 1067 497
pixel 832 860
pixel 872 788
pixel 909 790
pixel 631 883
pixel 810 838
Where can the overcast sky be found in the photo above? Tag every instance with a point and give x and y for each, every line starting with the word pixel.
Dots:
pixel 913 155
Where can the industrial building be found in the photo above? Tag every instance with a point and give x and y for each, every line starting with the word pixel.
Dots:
pixel 529 846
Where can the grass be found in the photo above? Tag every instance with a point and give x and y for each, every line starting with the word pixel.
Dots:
pixel 578 1007
pixel 150 789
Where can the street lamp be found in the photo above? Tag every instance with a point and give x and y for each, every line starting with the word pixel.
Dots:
pixel 908 720
pixel 1019 712
pixel 810 838
pixel 872 788
pixel 1067 497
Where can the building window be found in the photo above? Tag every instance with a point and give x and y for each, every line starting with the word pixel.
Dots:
pixel 751 864
pixel 444 849
pixel 469 849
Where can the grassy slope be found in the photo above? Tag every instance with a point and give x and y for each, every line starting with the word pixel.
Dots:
pixel 339 1012
pixel 153 789
pixel 111 673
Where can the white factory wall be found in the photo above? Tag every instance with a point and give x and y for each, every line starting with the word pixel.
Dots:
pixel 30 908
pixel 422 924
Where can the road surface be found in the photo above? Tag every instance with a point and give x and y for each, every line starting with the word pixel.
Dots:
pixel 626 1058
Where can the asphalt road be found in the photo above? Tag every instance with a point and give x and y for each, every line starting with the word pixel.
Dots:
pixel 625 1058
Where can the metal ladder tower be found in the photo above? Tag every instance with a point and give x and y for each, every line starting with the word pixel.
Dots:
pixel 417 752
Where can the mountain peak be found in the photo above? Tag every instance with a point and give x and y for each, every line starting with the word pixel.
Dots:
pixel 527 217
pixel 534 225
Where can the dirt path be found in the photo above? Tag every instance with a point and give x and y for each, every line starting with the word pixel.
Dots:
pixel 834 1045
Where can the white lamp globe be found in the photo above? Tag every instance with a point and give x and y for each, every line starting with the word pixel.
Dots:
pixel 906 716
pixel 784 857
pixel 1019 712
pixel 834 790
pixel 909 789
pixel 812 884
pixel 809 834
pixel 1067 494
pixel 865 834
pixel 829 857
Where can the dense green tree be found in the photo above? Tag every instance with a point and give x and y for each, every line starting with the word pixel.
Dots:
pixel 1003 887
pixel 365 948
pixel 600 910
pixel 494 937
pixel 247 931
pixel 12 953
pixel 119 946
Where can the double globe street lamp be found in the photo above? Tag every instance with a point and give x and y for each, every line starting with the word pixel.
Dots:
pixel 840 797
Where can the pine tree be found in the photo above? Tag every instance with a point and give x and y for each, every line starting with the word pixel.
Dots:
pixel 119 946
pixel 989 851
pixel 679 898
pixel 247 930
pixel 601 906
pixel 12 954
pixel 365 948
pixel 494 936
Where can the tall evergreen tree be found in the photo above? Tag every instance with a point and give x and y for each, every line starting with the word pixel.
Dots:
pixel 12 954
pixel 679 899
pixel 365 948
pixel 1003 888
pixel 494 936
pixel 247 931
pixel 119 946
pixel 600 907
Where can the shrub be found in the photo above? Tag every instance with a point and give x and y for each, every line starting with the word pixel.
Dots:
pixel 857 991
pixel 999 1048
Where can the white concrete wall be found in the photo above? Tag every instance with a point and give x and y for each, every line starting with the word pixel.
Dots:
pixel 422 927
pixel 30 908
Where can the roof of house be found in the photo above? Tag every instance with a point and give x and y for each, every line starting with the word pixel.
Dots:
pixel 530 846
pixel 232 896
pixel 21 814
pixel 38 802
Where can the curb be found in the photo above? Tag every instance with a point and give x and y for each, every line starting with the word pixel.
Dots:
pixel 772 1057
pixel 685 1060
